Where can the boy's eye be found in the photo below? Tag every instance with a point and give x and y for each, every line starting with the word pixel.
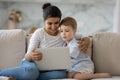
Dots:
pixel 61 31
pixel 66 31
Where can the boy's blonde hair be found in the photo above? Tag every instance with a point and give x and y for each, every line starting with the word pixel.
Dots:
pixel 69 21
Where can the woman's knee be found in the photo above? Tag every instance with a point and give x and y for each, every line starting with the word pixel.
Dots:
pixel 31 74
pixel 31 71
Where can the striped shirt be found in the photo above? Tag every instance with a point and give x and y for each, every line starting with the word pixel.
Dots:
pixel 41 39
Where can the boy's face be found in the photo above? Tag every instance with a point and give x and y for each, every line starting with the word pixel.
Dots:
pixel 67 33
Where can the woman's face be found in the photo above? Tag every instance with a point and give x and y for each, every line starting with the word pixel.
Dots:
pixel 52 25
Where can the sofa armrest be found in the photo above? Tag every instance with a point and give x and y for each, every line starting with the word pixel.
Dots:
pixel 106 52
pixel 12 47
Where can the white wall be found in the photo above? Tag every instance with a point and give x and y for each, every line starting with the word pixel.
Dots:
pixel 116 20
pixel 91 15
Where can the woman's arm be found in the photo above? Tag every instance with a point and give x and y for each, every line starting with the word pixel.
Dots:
pixel 33 56
pixel 83 42
pixel 28 57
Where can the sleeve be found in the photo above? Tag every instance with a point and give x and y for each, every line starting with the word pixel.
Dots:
pixel 74 52
pixel 34 41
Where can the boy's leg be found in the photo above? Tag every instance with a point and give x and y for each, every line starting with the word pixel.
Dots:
pixel 26 71
pixel 58 74
pixel 70 75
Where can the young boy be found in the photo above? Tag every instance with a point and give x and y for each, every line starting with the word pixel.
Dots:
pixel 82 65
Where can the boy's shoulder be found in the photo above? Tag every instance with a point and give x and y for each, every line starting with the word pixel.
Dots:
pixel 73 43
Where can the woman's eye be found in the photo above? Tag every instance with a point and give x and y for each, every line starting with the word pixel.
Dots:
pixel 49 23
pixel 56 22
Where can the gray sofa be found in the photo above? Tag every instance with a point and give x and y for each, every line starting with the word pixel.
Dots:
pixel 104 50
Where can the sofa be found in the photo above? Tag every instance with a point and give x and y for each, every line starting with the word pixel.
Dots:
pixel 104 50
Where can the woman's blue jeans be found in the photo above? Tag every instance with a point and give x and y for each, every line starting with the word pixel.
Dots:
pixel 26 71
pixel 53 74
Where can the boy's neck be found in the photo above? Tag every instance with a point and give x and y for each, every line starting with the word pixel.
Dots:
pixel 68 41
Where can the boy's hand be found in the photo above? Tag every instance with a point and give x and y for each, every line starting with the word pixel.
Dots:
pixel 84 43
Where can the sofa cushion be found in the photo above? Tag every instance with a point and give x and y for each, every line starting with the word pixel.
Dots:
pixel 27 40
pixel 106 52
pixel 12 47
pixel 89 50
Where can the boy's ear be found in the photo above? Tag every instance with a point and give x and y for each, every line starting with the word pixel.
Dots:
pixel 75 32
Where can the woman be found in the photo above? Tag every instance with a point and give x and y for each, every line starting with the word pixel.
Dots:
pixel 48 36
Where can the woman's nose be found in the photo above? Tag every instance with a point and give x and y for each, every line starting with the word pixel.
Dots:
pixel 54 26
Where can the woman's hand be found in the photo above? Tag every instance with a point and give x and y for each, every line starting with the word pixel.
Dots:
pixel 35 56
pixel 84 44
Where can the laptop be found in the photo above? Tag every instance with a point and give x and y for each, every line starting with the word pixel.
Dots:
pixel 54 58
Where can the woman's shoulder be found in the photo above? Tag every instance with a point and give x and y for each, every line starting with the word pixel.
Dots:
pixel 39 30
pixel 38 33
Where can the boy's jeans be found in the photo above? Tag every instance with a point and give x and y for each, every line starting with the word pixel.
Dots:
pixel 26 71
